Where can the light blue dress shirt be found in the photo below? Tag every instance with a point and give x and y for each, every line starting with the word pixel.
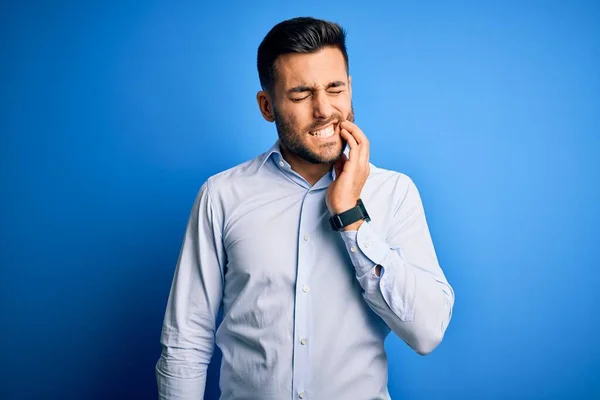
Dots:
pixel 305 315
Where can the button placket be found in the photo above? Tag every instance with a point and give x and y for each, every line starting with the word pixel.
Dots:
pixel 302 299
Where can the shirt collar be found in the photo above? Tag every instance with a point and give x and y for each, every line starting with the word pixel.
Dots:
pixel 275 151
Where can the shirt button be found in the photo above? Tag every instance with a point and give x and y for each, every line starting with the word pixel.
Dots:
pixel 281 164
pixel 303 342
pixel 367 243
pixel 353 249
pixel 305 289
pixel 306 238
pixel 301 395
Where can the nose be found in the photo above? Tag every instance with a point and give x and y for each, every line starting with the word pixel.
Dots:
pixel 322 108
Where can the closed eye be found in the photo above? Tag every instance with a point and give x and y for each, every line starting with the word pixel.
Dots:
pixel 299 99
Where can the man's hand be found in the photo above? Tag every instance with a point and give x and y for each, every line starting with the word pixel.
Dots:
pixel 351 173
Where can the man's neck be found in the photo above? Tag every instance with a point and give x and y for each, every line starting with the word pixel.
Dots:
pixel 309 171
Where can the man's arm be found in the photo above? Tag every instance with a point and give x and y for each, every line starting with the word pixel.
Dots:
pixel 410 292
pixel 189 325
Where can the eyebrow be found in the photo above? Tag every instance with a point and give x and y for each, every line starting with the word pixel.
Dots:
pixel 305 88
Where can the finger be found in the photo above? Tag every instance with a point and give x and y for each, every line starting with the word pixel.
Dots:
pixel 361 139
pixel 352 161
pixel 354 148
pixel 358 134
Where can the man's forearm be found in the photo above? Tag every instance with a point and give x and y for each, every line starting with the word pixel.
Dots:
pixel 412 302
pixel 180 375
pixel 416 303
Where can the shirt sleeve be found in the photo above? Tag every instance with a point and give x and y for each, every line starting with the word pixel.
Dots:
pixel 188 330
pixel 412 294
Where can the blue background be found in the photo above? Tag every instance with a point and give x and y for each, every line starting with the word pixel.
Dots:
pixel 113 114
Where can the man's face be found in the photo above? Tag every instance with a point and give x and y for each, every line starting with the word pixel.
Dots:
pixel 312 96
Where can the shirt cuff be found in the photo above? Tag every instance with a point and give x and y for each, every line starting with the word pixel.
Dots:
pixel 365 247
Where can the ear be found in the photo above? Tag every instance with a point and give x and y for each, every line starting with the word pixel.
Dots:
pixel 265 105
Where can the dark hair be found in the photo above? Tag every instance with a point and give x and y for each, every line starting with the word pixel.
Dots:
pixel 297 35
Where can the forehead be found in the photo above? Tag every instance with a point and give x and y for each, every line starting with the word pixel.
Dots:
pixel 320 68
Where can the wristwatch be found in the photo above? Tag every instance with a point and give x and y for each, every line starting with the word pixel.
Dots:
pixel 348 217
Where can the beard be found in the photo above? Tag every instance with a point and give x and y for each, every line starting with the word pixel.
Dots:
pixel 292 139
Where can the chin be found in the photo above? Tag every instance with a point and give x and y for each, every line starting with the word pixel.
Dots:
pixel 330 152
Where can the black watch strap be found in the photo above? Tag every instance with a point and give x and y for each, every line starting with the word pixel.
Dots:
pixel 356 213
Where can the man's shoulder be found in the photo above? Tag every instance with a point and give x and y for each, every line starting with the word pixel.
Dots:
pixel 390 186
pixel 236 175
pixel 389 176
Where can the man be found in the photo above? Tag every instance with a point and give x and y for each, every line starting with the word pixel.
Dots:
pixel 313 253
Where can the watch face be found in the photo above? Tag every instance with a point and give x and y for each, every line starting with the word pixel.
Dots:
pixel 336 222
pixel 350 216
pixel 363 210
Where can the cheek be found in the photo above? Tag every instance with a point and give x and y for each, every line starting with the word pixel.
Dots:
pixel 292 121
pixel 299 120
pixel 343 104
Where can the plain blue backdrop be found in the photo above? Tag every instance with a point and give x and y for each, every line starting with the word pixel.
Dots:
pixel 113 114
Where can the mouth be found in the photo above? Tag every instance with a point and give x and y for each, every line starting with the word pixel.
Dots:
pixel 323 133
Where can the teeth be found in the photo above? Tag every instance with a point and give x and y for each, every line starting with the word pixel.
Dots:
pixel 327 132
